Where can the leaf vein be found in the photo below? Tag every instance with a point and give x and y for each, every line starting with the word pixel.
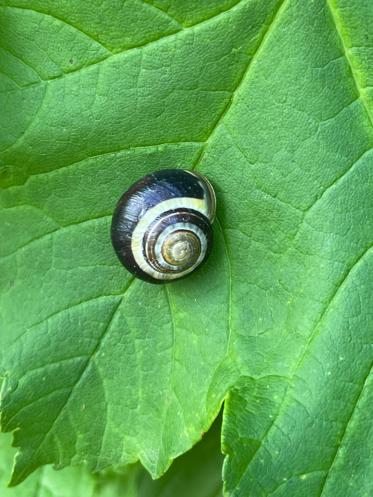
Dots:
pixel 21 474
pixel 338 179
pixel 61 311
pixel 103 154
pixel 55 230
pixel 32 121
pixel 276 15
pixel 60 19
pixel 345 431
pixel 164 13
pixel 339 29
pixel 146 43
pixel 303 353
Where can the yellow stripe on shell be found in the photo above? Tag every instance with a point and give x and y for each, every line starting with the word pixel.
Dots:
pixel 149 217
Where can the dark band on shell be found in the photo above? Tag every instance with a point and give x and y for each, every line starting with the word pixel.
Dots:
pixel 161 228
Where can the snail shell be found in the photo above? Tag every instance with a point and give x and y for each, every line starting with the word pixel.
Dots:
pixel 161 228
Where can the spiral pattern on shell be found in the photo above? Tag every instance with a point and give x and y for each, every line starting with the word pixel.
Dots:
pixel 161 228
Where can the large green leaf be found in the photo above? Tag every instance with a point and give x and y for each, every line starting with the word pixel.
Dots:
pixel 273 101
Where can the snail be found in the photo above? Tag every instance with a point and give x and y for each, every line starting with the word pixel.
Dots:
pixel 161 227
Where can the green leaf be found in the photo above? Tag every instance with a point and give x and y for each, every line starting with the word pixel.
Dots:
pixel 273 102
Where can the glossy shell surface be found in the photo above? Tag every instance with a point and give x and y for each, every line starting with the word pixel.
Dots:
pixel 161 228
